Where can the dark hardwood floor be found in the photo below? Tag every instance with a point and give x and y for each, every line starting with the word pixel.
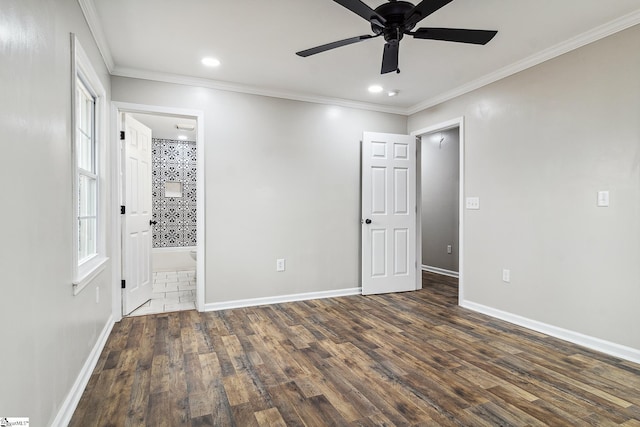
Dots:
pixel 404 359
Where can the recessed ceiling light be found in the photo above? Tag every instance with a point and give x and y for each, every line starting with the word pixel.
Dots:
pixel 182 137
pixel 392 92
pixel 210 62
pixel 375 89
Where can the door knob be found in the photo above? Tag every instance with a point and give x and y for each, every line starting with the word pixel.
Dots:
pixel 152 222
pixel 367 221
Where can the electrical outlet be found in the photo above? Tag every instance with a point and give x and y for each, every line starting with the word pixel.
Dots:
pixel 472 203
pixel 506 276
pixel 280 264
pixel 448 249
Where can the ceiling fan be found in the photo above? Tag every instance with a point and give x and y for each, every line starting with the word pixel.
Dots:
pixel 393 20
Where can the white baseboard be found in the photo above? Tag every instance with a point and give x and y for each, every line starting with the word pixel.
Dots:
pixel 71 402
pixel 439 270
pixel 607 347
pixel 216 306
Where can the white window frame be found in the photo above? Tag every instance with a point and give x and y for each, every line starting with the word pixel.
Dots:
pixel 84 271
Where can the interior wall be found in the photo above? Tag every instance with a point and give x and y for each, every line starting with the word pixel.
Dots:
pixel 440 178
pixel 539 145
pixel 47 333
pixel 282 181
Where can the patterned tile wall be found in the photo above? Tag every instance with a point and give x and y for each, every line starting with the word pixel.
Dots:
pixel 174 161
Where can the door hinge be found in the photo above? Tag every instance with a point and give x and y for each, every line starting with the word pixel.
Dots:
pixel 122 135
pixel 122 210
pixel 123 283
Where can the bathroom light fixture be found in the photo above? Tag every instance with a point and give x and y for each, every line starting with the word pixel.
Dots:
pixel 375 89
pixel 210 62
pixel 183 126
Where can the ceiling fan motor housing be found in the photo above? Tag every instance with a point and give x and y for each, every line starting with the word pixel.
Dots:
pixel 394 13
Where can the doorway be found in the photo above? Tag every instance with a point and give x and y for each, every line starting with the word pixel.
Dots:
pixel 440 192
pixel 180 192
pixel 440 210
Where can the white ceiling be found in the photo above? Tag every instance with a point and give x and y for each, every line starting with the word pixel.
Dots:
pixel 256 41
pixel 164 127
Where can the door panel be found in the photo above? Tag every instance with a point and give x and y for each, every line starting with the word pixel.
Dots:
pixel 137 228
pixel 389 202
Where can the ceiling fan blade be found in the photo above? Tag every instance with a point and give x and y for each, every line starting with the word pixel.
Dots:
pixel 390 57
pixel 333 45
pixel 359 8
pixel 455 35
pixel 424 9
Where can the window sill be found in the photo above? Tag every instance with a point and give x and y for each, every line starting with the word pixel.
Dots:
pixel 87 273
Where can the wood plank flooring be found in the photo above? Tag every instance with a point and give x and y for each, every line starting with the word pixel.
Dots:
pixel 409 359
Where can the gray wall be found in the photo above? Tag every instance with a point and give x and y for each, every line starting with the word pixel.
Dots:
pixel 46 332
pixel 538 147
pixel 282 181
pixel 440 166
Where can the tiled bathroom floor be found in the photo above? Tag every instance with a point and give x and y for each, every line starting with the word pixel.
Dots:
pixel 172 291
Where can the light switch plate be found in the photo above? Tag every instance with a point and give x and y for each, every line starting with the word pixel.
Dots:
pixel 603 198
pixel 506 276
pixel 472 202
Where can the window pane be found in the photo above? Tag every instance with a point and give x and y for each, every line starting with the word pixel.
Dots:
pixel 85 152
pixel 85 106
pixel 86 196
pixel 86 238
pixel 87 119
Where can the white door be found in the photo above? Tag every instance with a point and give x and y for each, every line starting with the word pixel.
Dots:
pixel 388 213
pixel 137 232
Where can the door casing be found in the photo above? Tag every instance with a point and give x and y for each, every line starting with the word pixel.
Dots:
pixel 116 172
pixel 449 124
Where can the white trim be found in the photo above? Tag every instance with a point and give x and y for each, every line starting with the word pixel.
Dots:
pixel 116 221
pixel 252 302
pixel 198 115
pixel 73 397
pixel 449 124
pixel 97 266
pixel 573 43
pixel 81 66
pixel 91 16
pixel 253 90
pixel 607 347
pixel 441 271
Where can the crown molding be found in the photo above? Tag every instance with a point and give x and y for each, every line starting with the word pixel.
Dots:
pixel 253 90
pixel 573 43
pixel 91 16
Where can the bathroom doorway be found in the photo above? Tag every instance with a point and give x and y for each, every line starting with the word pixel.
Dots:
pixel 176 173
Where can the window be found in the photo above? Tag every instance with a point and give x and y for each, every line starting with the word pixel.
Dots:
pixel 87 178
pixel 88 126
